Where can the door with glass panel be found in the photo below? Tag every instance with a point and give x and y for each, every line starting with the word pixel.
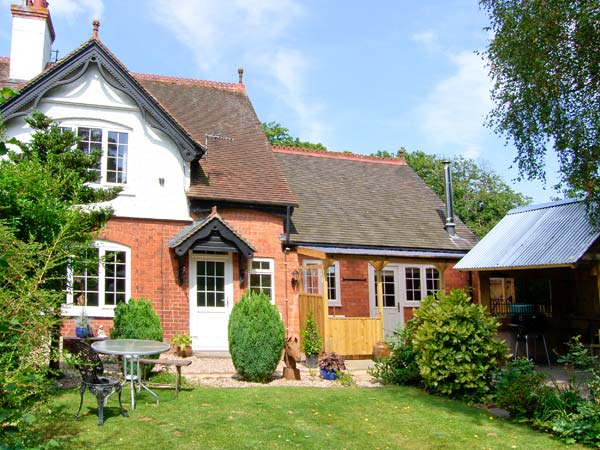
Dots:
pixel 393 314
pixel 211 300
pixel 404 286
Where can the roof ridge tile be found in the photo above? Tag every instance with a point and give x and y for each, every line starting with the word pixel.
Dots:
pixel 319 153
pixel 190 81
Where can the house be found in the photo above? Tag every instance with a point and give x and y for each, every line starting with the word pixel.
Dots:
pixel 544 259
pixel 210 209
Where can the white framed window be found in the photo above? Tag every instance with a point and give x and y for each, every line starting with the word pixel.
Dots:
pixel 261 276
pixel 405 284
pixel 100 287
pixel 312 281
pixel 114 144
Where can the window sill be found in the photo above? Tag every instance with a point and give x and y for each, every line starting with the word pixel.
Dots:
pixel 90 311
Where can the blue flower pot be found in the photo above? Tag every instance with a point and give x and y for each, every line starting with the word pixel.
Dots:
pixel 328 374
pixel 82 332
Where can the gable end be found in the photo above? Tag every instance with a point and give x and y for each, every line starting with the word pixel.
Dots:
pixel 74 66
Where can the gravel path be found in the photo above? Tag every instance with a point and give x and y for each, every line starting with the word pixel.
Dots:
pixel 208 370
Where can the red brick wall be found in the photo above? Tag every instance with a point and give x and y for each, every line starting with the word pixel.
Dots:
pixel 154 267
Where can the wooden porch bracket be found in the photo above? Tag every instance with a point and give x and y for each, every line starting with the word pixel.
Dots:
pixel 379 265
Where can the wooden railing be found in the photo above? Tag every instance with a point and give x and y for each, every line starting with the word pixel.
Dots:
pixel 345 335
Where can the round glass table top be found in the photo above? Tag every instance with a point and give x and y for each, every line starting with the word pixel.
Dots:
pixel 132 347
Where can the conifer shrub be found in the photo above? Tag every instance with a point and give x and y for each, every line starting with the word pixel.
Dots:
pixel 457 353
pixel 136 320
pixel 256 337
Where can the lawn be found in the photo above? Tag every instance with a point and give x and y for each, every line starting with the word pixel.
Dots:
pixel 287 417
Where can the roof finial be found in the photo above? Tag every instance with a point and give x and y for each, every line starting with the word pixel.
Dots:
pixel 96 26
pixel 241 74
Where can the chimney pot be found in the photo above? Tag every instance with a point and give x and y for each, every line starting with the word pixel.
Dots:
pixel 241 74
pixel 95 28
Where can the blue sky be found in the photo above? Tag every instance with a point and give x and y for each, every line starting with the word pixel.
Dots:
pixel 353 75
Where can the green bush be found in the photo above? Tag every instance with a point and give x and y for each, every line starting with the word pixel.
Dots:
pixel 311 339
pixel 519 388
pixel 401 366
pixel 256 337
pixel 136 320
pixel 457 352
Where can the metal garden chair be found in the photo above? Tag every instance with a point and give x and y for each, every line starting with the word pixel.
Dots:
pixel 91 369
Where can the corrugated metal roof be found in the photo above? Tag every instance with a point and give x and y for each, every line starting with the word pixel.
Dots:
pixel 544 235
pixel 385 252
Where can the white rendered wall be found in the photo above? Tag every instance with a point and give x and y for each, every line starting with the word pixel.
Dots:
pixel 151 154
pixel 29 48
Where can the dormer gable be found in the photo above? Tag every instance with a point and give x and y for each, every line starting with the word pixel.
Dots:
pixel 75 65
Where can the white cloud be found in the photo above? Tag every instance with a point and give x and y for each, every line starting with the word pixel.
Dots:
pixel 254 34
pixel 72 9
pixel 453 113
pixel 428 39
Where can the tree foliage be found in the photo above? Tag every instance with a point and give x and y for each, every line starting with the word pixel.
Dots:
pixel 279 135
pixel 48 219
pixel 544 59
pixel 481 197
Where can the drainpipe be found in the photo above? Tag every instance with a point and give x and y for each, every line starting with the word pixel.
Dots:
pixel 450 227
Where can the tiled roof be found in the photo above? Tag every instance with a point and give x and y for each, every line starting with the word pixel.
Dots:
pixel 239 169
pixel 553 234
pixel 349 200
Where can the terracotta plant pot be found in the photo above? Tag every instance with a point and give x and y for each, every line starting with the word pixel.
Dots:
pixel 185 352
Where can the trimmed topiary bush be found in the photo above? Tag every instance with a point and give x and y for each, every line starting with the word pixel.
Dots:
pixel 456 350
pixel 136 320
pixel 256 337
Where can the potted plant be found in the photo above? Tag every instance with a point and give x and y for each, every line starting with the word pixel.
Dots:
pixel 82 325
pixel 330 363
pixel 182 343
pixel 311 341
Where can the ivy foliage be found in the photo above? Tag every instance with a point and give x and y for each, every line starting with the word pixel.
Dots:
pixel 256 337
pixel 544 58
pixel 457 353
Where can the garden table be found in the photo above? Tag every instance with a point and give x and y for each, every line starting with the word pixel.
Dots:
pixel 131 350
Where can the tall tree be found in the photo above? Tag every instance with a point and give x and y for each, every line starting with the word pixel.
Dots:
pixel 277 134
pixel 481 197
pixel 49 216
pixel 544 58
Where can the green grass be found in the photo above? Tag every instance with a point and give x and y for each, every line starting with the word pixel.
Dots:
pixel 286 417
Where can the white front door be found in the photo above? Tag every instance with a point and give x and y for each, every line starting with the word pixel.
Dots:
pixel 211 300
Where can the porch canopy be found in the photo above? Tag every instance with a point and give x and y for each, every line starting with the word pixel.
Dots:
pixel 211 234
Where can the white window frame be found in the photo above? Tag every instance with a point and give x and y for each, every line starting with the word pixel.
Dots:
pixel 400 282
pixel 106 128
pixel 331 301
pixel 270 271
pixel 70 309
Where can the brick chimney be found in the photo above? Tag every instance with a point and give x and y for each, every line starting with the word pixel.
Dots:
pixel 32 38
